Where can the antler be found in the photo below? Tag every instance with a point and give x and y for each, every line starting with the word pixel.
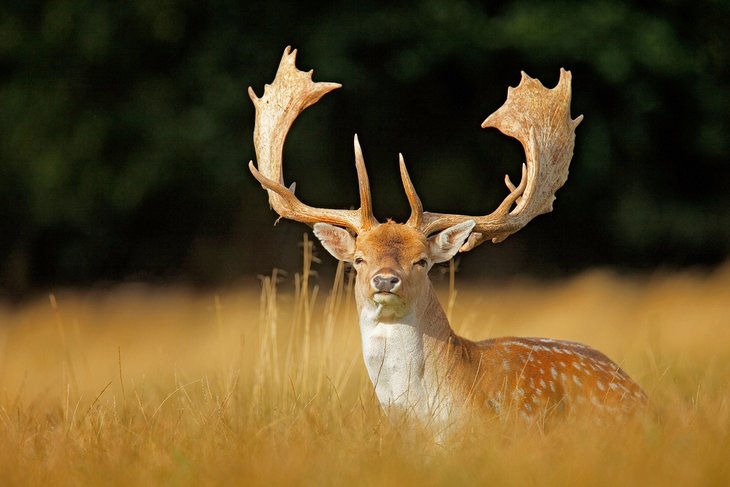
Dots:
pixel 540 119
pixel 291 92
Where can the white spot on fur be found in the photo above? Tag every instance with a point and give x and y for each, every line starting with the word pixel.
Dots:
pixel 596 402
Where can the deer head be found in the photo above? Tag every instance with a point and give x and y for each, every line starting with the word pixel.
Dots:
pixel 392 263
pixel 392 260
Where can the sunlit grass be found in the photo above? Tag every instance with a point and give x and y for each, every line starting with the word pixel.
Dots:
pixel 264 384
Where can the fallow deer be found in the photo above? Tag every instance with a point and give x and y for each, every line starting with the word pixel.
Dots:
pixel 415 360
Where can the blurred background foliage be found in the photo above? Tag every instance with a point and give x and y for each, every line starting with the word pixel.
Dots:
pixel 125 129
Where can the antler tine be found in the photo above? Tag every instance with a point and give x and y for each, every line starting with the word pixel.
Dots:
pixel 291 92
pixel 366 201
pixel 416 218
pixel 540 119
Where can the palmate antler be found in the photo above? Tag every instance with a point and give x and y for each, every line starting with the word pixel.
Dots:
pixel 536 116
pixel 291 92
pixel 540 119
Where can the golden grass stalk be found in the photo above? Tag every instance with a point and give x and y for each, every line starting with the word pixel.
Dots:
pixel 265 386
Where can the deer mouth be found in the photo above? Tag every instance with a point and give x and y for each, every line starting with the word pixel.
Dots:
pixel 386 298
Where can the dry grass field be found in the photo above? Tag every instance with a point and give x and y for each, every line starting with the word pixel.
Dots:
pixel 264 384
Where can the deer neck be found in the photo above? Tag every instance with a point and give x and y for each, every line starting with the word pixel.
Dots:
pixel 404 356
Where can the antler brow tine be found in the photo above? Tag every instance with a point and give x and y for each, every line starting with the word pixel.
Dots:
pixel 416 218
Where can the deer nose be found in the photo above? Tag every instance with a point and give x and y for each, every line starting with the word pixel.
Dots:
pixel 385 282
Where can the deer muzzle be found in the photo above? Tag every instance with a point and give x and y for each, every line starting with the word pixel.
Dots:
pixel 385 282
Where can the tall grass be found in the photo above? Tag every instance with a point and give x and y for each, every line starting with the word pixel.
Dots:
pixel 265 385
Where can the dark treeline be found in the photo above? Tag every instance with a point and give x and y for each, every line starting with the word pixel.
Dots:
pixel 125 130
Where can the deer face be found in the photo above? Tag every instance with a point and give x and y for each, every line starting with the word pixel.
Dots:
pixel 392 261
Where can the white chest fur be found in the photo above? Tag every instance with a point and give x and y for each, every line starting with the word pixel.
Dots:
pixel 396 361
pixel 394 358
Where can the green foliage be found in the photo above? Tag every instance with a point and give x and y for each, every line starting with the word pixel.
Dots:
pixel 125 128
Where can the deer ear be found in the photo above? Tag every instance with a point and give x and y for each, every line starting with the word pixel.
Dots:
pixel 336 240
pixel 445 244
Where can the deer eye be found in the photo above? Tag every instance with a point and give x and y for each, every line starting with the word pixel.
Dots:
pixel 421 263
pixel 359 260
